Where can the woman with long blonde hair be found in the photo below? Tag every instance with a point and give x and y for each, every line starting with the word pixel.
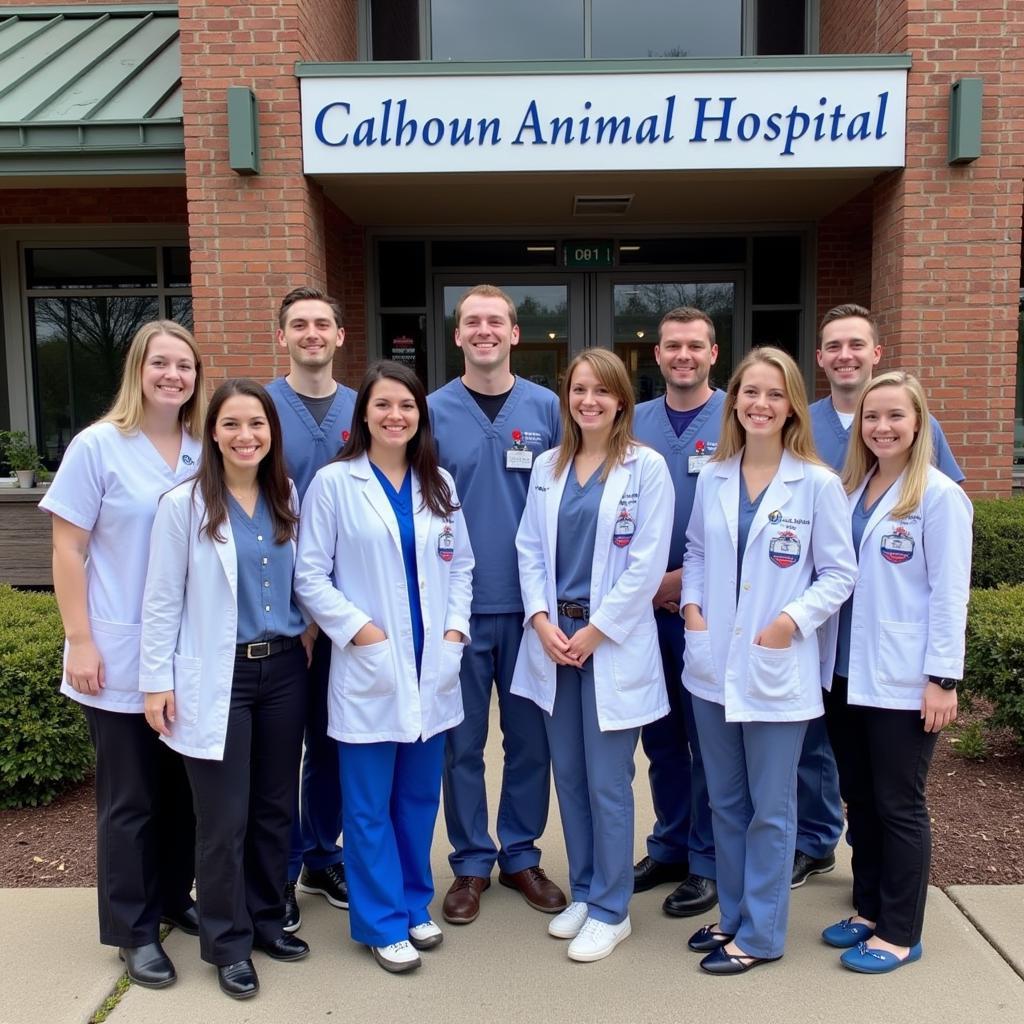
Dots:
pixel 592 546
pixel 900 652
pixel 103 501
pixel 768 560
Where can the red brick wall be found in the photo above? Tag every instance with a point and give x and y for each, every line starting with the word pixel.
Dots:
pixel 346 281
pixel 93 206
pixel 946 241
pixel 253 238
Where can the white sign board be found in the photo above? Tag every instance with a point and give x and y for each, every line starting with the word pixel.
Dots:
pixel 604 122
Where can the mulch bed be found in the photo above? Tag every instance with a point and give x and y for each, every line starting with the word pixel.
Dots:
pixel 977 812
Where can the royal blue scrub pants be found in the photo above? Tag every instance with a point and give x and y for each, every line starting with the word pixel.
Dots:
pixel 490 659
pixel 316 822
pixel 751 772
pixel 391 794
pixel 682 829
pixel 594 782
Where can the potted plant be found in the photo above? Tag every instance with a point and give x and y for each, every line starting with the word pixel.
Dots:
pixel 18 451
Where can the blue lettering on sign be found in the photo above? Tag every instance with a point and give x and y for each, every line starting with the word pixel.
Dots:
pixel 719 119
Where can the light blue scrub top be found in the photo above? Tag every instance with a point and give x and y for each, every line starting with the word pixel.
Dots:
pixel 577 529
pixel 747 511
pixel 266 607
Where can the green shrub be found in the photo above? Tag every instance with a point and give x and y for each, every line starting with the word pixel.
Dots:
pixel 994 666
pixel 969 741
pixel 44 742
pixel 998 542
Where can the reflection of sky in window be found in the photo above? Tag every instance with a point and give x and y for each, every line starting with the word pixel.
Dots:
pixel 665 28
pixel 498 30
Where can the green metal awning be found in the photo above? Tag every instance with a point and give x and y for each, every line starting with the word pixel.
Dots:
pixel 90 90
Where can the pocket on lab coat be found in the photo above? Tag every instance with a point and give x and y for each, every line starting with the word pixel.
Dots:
pixel 369 672
pixel 636 661
pixel 773 673
pixel 697 659
pixel 901 647
pixel 187 673
pixel 451 663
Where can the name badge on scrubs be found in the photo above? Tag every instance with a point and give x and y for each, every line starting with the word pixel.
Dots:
pixel 518 457
pixel 446 544
pixel 697 462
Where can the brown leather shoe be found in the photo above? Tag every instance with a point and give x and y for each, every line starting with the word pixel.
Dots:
pixel 462 901
pixel 538 890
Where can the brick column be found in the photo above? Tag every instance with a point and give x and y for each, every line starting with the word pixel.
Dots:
pixel 253 237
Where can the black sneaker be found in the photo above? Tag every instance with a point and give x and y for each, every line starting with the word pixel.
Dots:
pixel 804 867
pixel 292 914
pixel 329 882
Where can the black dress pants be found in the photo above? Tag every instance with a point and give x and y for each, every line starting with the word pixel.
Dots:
pixel 145 828
pixel 244 806
pixel 883 757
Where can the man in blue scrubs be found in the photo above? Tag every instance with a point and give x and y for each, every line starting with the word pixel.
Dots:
pixel 683 426
pixel 316 415
pixel 489 426
pixel 848 351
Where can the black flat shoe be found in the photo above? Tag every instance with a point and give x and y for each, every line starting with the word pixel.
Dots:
pixel 720 962
pixel 707 939
pixel 186 921
pixel 284 947
pixel 238 980
pixel 148 965
pixel 693 897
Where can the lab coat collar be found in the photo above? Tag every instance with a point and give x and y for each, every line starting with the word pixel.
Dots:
pixel 885 504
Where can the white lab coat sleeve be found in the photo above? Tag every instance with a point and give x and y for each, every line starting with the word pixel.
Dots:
pixel 164 597
pixel 693 560
pixel 629 600
pixel 460 580
pixel 530 551
pixel 947 542
pixel 835 563
pixel 330 609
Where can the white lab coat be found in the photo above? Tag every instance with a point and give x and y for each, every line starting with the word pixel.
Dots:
pixel 910 603
pixel 190 622
pixel 801 531
pixel 350 572
pixel 628 676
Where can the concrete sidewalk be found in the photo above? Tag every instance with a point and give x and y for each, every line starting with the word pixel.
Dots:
pixel 505 968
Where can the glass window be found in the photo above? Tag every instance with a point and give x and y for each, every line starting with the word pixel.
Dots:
pixel 177 267
pixel 777 271
pixel 780 328
pixel 403 279
pixel 666 28
pixel 781 27
pixel 498 30
pixel 695 251
pixel 395 28
pixel 79 347
pixel 179 309
pixel 91 268
pixel 494 254
pixel 405 341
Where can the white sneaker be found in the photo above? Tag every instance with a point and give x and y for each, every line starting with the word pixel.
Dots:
pixel 569 922
pixel 597 939
pixel 398 957
pixel 426 935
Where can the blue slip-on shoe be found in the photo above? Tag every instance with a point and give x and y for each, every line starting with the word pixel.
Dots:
pixel 866 960
pixel 847 933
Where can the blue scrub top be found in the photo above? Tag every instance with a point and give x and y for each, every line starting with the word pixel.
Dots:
pixel 861 517
pixel 266 606
pixel 747 511
pixel 577 531
pixel 401 505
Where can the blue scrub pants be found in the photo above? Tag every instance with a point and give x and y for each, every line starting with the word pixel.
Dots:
pixel 751 772
pixel 819 805
pixel 594 782
pixel 682 828
pixel 490 658
pixel 391 793
pixel 316 822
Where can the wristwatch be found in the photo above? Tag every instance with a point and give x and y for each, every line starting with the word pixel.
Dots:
pixel 946 684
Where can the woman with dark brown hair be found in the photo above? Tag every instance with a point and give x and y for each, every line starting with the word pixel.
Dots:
pixel 224 656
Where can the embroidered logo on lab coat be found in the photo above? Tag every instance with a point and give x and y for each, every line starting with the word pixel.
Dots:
pixel 446 543
pixel 784 549
pixel 775 517
pixel 898 546
pixel 624 529
pixel 188 460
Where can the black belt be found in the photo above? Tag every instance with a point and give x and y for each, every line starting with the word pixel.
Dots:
pixel 573 610
pixel 265 648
